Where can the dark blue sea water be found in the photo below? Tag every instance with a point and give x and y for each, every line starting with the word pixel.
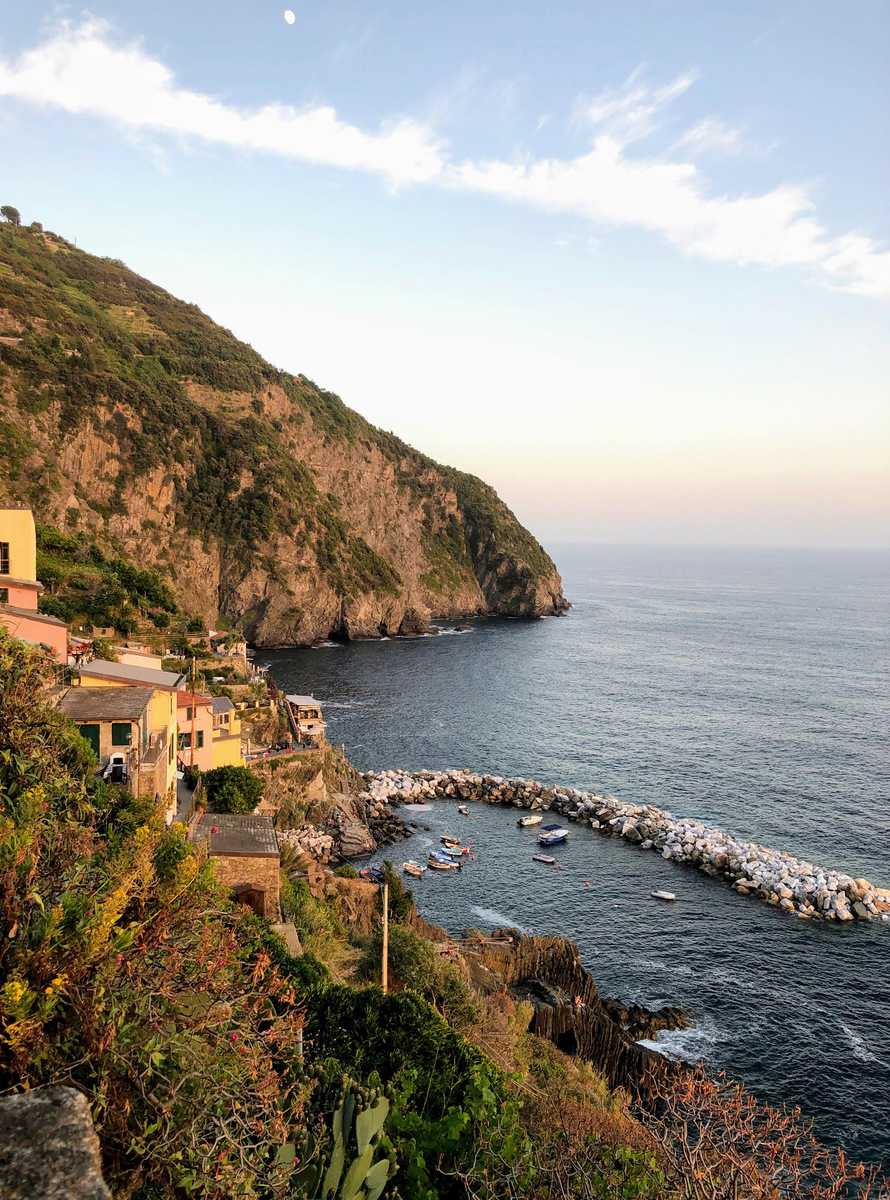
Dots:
pixel 749 688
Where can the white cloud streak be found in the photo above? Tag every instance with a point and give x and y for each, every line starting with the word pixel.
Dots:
pixel 709 135
pixel 83 71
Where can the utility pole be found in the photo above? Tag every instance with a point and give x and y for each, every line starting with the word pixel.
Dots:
pixel 384 964
pixel 194 707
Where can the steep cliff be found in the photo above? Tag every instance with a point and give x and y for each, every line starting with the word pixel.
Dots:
pixel 129 415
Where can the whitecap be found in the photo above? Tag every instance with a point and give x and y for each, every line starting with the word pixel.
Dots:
pixel 327 645
pixel 859 1046
pixel 686 1045
pixel 496 919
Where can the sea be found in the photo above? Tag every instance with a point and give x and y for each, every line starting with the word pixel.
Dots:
pixel 747 688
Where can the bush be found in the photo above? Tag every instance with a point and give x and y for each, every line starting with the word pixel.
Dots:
pixel 415 963
pixel 232 789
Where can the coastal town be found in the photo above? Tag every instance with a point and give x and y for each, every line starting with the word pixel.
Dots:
pixel 159 724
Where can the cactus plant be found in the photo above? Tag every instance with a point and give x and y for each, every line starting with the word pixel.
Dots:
pixel 358 1123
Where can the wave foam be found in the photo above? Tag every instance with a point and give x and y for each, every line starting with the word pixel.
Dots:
pixel 859 1046
pixel 496 919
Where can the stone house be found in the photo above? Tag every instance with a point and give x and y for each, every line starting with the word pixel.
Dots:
pixel 245 854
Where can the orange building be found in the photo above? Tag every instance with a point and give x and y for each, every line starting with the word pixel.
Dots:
pixel 19 586
pixel 194 720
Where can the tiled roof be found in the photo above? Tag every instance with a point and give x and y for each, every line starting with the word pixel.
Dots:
pixel 105 704
pixel 195 699
pixel 222 704
pixel 239 834
pixel 31 613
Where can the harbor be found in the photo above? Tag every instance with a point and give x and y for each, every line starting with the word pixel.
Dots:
pixel 778 878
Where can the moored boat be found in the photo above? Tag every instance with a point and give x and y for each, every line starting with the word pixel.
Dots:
pixel 552 835
pixel 439 861
pixel 456 851
pixel 448 840
pixel 530 819
pixel 412 868
pixel 661 895
pixel 544 858
pixel 463 810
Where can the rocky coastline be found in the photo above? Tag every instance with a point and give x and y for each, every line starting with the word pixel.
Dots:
pixel 800 888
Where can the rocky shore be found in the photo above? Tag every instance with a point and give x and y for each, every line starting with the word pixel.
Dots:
pixel 773 876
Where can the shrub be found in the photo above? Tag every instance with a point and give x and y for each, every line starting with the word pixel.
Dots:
pixel 415 963
pixel 232 789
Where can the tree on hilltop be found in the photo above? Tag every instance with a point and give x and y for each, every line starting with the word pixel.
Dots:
pixel 12 215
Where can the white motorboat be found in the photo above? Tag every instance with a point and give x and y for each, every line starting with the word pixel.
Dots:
pixel 530 819
pixel 660 895
pixel 463 810
pixel 544 858
pixel 552 835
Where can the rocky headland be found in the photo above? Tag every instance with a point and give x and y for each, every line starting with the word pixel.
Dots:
pixel 776 877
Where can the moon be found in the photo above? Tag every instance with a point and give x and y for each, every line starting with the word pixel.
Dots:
pixel 290 16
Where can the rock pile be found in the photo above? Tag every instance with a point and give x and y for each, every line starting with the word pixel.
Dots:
pixel 353 827
pixel 774 876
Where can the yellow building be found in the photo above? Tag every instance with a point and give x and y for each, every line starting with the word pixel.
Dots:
pixel 162 718
pixel 20 588
pixel 226 734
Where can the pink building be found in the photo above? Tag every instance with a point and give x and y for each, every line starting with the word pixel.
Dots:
pixel 19 587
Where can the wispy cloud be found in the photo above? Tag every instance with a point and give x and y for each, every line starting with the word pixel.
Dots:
pixel 83 70
pixel 709 135
pixel 630 112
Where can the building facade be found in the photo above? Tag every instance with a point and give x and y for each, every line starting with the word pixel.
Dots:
pixel 20 589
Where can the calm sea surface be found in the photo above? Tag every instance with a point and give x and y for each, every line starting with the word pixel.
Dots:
pixel 746 688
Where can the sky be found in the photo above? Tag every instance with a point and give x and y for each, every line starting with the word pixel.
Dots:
pixel 629 262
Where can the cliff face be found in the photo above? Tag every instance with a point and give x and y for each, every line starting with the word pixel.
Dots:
pixel 130 415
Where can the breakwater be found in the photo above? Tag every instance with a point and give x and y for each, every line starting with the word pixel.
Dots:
pixel 776 877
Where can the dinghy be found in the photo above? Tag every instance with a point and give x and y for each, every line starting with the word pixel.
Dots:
pixel 463 810
pixel 660 895
pixel 544 858
pixel 439 861
pixel 415 870
pixel 530 819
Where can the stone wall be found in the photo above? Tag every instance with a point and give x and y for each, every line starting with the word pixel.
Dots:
pixel 48 1147
pixel 258 871
pixel 801 888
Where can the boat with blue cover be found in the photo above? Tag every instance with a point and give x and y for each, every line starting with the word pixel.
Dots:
pixel 552 835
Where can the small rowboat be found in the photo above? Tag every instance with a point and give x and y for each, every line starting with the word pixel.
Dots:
pixel 441 862
pixel 544 858
pixel 448 840
pixel 456 851
pixel 660 895
pixel 415 870
pixel 463 810
pixel 530 819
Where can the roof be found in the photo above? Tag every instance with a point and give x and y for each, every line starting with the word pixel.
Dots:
pixel 31 613
pixel 105 704
pixel 31 583
pixel 222 704
pixel 245 834
pixel 193 698
pixel 103 669
pixel 301 700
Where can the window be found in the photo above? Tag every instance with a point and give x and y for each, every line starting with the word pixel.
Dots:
pixel 184 741
pixel 4 558
pixel 121 733
pixel 199 739
pixel 188 714
pixel 4 595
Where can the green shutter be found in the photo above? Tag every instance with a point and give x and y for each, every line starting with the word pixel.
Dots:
pixel 91 733
pixel 121 733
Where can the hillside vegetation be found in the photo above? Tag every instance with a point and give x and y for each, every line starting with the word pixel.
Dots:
pixel 131 416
